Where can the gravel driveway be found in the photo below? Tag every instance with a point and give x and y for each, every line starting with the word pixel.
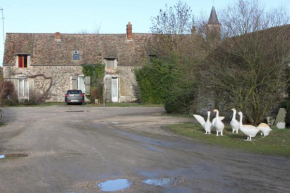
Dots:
pixel 97 149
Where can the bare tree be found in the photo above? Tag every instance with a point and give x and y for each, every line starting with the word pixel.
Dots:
pixel 178 46
pixel 173 20
pixel 247 70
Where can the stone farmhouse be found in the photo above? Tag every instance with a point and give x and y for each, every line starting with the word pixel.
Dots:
pixel 51 62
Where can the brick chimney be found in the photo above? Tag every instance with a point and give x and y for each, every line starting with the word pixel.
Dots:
pixel 129 31
pixel 57 36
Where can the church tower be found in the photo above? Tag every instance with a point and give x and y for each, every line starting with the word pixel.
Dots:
pixel 213 28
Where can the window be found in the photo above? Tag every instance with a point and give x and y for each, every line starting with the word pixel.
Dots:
pixel 74 92
pixel 111 64
pixel 22 61
pixel 76 55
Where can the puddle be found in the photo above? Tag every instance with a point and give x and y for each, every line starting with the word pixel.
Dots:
pixel 13 155
pixel 114 185
pixel 160 181
pixel 115 122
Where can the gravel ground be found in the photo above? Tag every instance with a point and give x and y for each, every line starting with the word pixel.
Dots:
pixel 77 148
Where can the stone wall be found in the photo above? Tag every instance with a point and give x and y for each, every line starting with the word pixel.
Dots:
pixel 127 84
pixel 57 78
pixel 128 91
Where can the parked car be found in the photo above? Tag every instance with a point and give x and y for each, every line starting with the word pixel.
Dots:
pixel 74 96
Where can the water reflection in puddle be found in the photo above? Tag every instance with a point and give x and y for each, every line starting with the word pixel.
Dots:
pixel 114 185
pixel 13 155
pixel 160 181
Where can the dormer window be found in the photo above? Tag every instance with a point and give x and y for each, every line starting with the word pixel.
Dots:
pixel 76 55
pixel 22 60
pixel 111 63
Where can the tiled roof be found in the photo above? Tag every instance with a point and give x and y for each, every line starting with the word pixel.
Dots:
pixel 46 50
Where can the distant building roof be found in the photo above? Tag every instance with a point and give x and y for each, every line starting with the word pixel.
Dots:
pixel 213 19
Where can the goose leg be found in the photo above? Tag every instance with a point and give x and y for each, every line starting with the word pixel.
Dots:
pixel 221 133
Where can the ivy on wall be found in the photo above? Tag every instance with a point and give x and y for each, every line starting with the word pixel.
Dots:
pixel 96 72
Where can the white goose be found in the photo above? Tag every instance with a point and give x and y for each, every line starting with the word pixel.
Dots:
pixel 249 130
pixel 218 124
pixel 234 123
pixel 206 125
pixel 265 129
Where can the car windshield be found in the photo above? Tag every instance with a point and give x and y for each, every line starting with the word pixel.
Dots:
pixel 74 92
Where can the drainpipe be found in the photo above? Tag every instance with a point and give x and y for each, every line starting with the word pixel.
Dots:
pixel 104 91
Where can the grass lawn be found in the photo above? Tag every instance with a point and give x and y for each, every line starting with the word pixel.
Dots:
pixel 276 143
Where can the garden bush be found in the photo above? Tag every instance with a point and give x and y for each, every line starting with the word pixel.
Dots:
pixel 8 96
pixel 286 105
pixel 180 104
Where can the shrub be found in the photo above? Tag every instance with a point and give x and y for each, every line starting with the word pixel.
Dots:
pixel 180 104
pixel 10 102
pixel 286 105
pixel 35 98
pixel 8 96
pixel 96 72
pixel 155 81
pixel 94 93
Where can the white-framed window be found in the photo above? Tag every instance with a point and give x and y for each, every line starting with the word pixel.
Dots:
pixel 22 60
pixel 23 88
pixel 111 63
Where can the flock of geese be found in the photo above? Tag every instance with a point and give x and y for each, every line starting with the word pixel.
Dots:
pixel 249 130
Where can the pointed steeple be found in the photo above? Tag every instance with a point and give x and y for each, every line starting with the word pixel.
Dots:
pixel 213 29
pixel 213 19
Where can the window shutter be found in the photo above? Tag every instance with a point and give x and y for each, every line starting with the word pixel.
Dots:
pixel 20 61
pixel 88 85
pixel 74 83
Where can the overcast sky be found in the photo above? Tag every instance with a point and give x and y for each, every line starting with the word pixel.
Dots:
pixel 110 16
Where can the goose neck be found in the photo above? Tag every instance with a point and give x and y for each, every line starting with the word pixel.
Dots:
pixel 241 119
pixel 234 115
pixel 208 116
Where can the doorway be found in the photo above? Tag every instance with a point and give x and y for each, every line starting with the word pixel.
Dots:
pixel 115 90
